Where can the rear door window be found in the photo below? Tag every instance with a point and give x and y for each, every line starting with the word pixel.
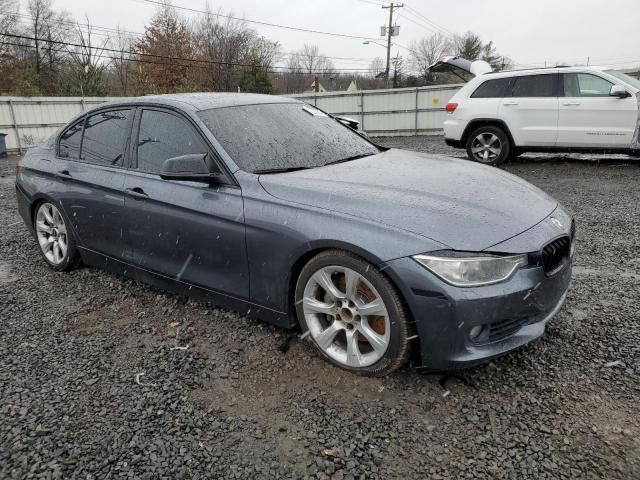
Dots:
pixel 585 85
pixel 163 135
pixel 495 88
pixel 534 86
pixel 70 141
pixel 105 137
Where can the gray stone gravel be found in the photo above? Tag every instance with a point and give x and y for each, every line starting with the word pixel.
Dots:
pixel 92 384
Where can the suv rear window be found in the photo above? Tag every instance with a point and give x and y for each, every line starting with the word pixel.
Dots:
pixel 534 86
pixel 496 88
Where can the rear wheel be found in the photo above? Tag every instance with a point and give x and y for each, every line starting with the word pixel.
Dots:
pixel 489 145
pixel 354 316
pixel 56 243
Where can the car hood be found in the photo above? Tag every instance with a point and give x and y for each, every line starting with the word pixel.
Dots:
pixel 460 204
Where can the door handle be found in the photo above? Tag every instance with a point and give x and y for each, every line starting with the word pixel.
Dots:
pixel 64 174
pixel 571 104
pixel 137 192
pixel 510 103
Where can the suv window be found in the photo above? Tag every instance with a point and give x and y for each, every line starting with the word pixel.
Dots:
pixel 105 137
pixel 534 86
pixel 585 85
pixel 496 88
pixel 162 136
pixel 70 141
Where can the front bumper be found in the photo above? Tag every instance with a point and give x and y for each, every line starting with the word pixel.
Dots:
pixel 453 143
pixel 513 312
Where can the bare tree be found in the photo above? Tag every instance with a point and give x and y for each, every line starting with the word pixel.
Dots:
pixel 121 61
pixel 8 22
pixel 426 51
pixel 47 32
pixel 238 51
pixel 87 65
pixel 309 60
pixel 377 66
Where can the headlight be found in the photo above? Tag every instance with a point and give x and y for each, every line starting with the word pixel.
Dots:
pixel 469 270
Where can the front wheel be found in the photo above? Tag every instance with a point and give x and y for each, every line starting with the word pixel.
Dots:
pixel 489 145
pixel 354 315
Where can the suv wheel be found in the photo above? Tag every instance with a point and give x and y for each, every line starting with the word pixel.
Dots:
pixel 488 145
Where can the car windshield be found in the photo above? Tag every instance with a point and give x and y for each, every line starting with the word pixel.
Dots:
pixel 283 136
pixel 625 78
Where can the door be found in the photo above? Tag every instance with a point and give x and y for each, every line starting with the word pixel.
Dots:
pixel 90 166
pixel 590 117
pixel 531 110
pixel 192 232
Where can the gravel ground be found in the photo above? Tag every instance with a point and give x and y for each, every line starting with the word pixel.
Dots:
pixel 105 378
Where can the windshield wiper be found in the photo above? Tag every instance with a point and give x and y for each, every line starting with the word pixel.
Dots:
pixel 348 159
pixel 280 170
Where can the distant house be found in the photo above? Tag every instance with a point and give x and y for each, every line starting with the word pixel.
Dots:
pixel 312 88
pixel 334 85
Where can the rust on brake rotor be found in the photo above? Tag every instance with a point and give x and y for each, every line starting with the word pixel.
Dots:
pixel 365 293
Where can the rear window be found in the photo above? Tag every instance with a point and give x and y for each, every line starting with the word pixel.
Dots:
pixel 70 141
pixel 496 88
pixel 534 86
pixel 105 137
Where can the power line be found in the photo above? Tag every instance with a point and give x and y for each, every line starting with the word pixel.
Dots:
pixel 427 20
pixel 372 2
pixel 194 61
pixel 415 22
pixel 108 30
pixel 258 22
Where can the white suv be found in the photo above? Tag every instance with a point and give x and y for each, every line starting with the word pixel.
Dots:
pixel 575 109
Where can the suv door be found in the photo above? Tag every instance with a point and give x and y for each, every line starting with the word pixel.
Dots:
pixel 192 232
pixel 590 117
pixel 90 162
pixel 531 110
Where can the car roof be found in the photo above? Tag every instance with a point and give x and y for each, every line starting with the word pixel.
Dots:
pixel 196 102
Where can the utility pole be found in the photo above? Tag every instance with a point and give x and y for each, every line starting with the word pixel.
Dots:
pixel 389 34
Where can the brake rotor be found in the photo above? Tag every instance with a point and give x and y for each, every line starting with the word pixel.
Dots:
pixel 364 293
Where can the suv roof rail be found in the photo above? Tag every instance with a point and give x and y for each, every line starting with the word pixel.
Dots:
pixel 534 68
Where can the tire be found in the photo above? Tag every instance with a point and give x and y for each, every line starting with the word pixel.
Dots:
pixel 343 326
pixel 488 145
pixel 55 242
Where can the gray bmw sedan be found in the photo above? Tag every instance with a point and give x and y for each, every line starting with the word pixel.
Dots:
pixel 271 207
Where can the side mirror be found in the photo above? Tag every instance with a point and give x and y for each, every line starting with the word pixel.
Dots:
pixel 193 168
pixel 619 91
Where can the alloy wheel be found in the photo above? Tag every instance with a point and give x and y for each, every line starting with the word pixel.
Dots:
pixel 52 233
pixel 346 316
pixel 486 147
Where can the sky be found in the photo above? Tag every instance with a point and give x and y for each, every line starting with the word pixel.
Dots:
pixel 529 32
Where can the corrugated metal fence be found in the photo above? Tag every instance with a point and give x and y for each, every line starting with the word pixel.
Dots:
pixel 402 111
pixel 29 120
